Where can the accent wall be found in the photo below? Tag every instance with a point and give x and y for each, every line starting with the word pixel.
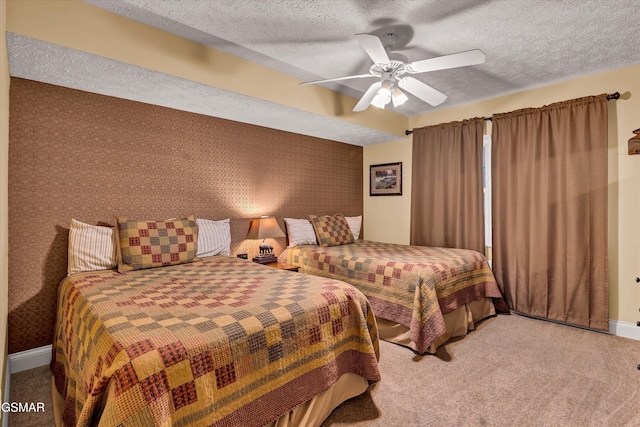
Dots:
pixel 74 154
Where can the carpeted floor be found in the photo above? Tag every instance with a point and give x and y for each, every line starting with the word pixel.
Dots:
pixel 511 371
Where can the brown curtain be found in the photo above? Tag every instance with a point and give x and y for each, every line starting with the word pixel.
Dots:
pixel 550 211
pixel 446 187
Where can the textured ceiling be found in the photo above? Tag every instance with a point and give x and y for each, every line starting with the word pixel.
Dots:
pixel 49 63
pixel 528 43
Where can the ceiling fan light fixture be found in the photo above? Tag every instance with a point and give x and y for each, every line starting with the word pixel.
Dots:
pixel 379 102
pixel 383 97
pixel 398 97
pixel 390 68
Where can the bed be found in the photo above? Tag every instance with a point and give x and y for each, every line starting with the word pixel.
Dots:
pixel 421 296
pixel 213 341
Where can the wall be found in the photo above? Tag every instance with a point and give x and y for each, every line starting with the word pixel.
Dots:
pixel 75 154
pixel 4 167
pixel 624 173
pixel 389 215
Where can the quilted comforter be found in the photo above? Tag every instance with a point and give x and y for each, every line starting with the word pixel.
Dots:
pixel 220 342
pixel 411 285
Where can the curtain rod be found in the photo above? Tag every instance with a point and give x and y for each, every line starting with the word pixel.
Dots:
pixel 610 96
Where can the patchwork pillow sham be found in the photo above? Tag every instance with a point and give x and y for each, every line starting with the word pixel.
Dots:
pixel 300 232
pixel 331 230
pixel 214 237
pixel 91 248
pixel 150 243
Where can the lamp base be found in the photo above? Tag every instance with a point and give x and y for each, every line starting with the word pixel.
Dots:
pixel 265 259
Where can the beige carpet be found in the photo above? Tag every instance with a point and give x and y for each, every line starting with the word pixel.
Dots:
pixel 511 371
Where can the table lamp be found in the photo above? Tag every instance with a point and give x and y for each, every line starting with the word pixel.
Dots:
pixel 265 227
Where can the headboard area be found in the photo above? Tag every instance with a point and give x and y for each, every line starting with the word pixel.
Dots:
pixel 74 154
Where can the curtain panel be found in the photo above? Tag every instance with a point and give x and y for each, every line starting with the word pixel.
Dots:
pixel 549 207
pixel 446 187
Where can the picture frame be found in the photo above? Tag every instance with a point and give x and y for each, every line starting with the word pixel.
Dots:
pixel 385 179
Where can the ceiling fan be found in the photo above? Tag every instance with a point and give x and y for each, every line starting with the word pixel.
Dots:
pixel 392 70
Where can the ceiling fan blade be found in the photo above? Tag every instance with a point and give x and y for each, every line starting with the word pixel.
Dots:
pixel 422 91
pixel 359 76
pixel 373 46
pixel 368 96
pixel 461 59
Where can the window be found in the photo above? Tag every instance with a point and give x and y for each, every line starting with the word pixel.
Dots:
pixel 486 183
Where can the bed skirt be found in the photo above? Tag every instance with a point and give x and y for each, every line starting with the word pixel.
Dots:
pixel 457 323
pixel 311 413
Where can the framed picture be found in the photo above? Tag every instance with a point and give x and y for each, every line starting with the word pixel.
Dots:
pixel 385 179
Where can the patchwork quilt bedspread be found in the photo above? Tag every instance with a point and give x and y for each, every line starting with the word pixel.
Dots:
pixel 411 285
pixel 220 342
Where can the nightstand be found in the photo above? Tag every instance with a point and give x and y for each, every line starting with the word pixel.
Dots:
pixel 282 266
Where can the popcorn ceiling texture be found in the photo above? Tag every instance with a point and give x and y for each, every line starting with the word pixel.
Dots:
pixel 528 43
pixel 74 154
pixel 49 63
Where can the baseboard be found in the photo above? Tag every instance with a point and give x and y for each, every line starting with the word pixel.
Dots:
pixel 29 359
pixel 624 329
pixel 22 361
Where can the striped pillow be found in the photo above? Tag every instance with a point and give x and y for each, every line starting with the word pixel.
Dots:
pixel 214 237
pixel 331 230
pixel 149 243
pixel 91 248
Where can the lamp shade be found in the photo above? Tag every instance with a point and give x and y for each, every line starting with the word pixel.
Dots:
pixel 398 97
pixel 264 227
pixel 383 96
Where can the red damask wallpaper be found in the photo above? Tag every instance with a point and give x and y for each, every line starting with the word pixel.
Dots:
pixel 74 154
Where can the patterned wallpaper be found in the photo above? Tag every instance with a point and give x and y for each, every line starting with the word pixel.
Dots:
pixel 75 154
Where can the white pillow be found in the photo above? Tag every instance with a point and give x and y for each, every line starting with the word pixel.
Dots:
pixel 91 248
pixel 355 222
pixel 300 232
pixel 214 237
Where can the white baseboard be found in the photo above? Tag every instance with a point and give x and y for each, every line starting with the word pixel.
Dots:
pixel 624 329
pixel 29 359
pixel 22 361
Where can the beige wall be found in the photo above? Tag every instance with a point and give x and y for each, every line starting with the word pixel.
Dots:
pixel 4 184
pixel 386 218
pixel 624 174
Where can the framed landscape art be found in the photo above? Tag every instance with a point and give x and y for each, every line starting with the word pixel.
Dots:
pixel 385 179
